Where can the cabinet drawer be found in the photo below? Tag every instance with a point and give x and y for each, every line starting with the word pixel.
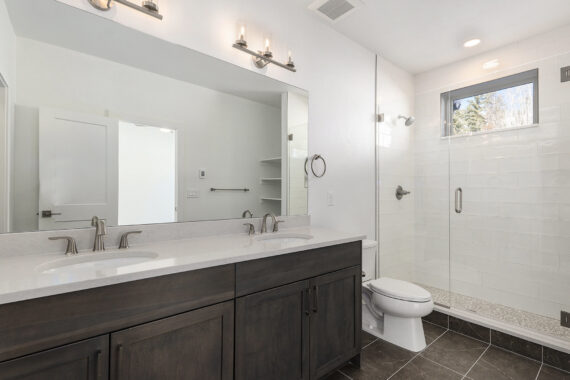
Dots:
pixel 257 275
pixel 38 324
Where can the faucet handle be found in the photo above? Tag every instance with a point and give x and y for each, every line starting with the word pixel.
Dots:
pixel 251 228
pixel 71 245
pixel 276 225
pixel 125 239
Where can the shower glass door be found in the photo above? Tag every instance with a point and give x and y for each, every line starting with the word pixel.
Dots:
pixel 510 195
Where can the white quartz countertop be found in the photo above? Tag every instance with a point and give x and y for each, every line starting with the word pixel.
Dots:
pixel 31 276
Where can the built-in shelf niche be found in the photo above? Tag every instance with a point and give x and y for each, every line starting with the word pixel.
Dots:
pixel 271 179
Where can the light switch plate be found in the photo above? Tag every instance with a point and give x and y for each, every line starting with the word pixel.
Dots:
pixel 330 198
pixel 202 173
pixel 192 193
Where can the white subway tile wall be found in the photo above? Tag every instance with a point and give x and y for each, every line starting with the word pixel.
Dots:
pixel 511 243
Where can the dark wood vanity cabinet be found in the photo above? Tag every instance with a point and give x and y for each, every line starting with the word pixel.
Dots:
pixel 302 330
pixel 272 334
pixel 335 319
pixel 193 345
pixel 291 316
pixel 85 360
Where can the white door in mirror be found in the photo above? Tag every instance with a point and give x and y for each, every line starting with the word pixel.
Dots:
pixel 78 169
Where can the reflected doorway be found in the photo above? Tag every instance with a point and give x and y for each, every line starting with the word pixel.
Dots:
pixel 147 174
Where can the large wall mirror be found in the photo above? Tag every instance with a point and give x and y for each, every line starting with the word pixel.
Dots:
pixel 109 121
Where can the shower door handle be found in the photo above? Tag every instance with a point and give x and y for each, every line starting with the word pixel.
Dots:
pixel 458 200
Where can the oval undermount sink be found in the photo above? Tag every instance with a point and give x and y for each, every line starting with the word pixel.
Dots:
pixel 284 237
pixel 95 261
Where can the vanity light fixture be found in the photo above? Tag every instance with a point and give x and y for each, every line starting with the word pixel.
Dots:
pixel 262 58
pixel 149 7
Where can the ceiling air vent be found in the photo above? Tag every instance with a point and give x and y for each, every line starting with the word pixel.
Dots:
pixel 334 10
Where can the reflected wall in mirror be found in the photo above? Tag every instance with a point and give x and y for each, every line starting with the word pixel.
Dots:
pixel 136 130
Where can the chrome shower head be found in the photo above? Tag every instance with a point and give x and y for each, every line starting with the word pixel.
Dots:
pixel 409 121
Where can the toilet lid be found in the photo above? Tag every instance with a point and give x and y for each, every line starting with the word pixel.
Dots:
pixel 399 289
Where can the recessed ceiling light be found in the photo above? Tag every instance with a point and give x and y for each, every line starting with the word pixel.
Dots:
pixel 491 64
pixel 472 43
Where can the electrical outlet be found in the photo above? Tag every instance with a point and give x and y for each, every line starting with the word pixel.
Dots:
pixel 564 319
pixel 565 74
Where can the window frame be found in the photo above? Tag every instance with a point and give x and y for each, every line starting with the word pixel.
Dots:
pixel 519 79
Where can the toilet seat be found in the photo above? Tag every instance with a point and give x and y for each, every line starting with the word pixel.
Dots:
pixel 398 289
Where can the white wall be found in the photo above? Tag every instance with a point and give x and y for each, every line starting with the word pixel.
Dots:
pixel 395 167
pixel 511 244
pixel 210 135
pixel 338 73
pixel 8 73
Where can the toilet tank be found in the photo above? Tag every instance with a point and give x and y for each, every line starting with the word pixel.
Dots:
pixel 368 259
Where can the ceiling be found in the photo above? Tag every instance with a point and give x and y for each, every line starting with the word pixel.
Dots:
pixel 420 35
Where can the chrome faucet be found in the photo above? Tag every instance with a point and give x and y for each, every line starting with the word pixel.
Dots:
pixel 246 212
pixel 100 232
pixel 264 223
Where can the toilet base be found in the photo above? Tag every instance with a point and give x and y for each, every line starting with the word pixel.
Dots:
pixel 407 333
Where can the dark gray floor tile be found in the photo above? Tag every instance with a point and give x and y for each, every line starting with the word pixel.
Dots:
pixel 455 351
pixel 437 318
pixel 432 332
pixel 336 375
pixel 557 359
pixel 470 329
pixel 367 338
pixel 518 345
pixel 421 368
pixel 498 364
pixel 378 361
pixel 550 373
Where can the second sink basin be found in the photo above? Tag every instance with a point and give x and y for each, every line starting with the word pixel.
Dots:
pixel 284 237
pixel 95 261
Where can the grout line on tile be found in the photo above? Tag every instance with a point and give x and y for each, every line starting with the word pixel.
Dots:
pixel 416 355
pixel 559 369
pixel 476 361
pixel 441 365
pixel 467 336
pixel 344 374
pixel 516 353
pixel 375 340
pixel 539 371
pixel 435 324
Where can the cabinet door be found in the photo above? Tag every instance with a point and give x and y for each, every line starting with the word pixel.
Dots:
pixel 335 319
pixel 194 345
pixel 87 360
pixel 272 334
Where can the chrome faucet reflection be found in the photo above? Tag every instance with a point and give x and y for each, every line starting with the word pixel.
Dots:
pixel 100 232
pixel 246 213
pixel 71 248
pixel 264 223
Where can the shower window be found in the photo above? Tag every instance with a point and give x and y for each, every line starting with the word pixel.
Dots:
pixel 504 103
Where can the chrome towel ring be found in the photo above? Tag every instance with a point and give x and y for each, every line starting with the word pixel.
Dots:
pixel 313 158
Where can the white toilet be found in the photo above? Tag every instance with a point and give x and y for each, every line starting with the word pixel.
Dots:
pixel 393 309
